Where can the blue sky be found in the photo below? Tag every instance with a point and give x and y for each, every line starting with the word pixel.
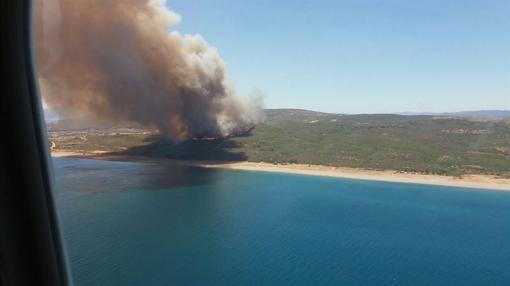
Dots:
pixel 361 56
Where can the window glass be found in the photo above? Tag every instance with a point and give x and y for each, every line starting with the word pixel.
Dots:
pixel 279 142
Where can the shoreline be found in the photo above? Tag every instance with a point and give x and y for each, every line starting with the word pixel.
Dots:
pixel 467 181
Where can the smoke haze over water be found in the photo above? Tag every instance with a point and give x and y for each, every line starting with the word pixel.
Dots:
pixel 119 60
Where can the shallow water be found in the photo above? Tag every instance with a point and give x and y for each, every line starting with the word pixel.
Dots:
pixel 159 224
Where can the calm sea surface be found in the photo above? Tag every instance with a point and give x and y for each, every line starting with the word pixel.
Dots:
pixel 157 224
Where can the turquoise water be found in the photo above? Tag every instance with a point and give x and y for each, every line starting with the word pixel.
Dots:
pixel 155 224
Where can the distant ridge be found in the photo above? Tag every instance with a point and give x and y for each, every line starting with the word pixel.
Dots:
pixel 494 114
pixel 52 117
pixel 474 113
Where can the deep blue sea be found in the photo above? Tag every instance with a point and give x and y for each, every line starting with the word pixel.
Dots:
pixel 141 224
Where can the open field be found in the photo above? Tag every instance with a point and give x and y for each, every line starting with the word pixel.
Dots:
pixel 423 144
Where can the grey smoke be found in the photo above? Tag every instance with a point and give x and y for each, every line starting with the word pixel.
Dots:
pixel 120 60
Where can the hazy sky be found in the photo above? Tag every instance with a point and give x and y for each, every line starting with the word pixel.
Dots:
pixel 361 56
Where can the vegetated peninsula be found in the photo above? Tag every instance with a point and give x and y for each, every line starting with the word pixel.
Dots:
pixel 409 148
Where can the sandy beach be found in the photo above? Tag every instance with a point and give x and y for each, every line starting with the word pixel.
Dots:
pixel 466 181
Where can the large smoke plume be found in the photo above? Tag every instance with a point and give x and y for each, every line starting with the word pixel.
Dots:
pixel 120 60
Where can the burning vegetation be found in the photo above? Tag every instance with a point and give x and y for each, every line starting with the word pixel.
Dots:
pixel 239 133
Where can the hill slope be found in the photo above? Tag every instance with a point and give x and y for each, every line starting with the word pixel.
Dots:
pixel 422 143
